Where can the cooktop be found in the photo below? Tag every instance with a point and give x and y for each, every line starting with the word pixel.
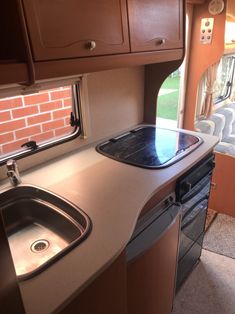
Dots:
pixel 150 147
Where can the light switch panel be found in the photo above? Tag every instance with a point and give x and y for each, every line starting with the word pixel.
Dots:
pixel 206 30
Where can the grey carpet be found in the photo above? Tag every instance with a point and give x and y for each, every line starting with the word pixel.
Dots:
pixel 220 238
pixel 210 288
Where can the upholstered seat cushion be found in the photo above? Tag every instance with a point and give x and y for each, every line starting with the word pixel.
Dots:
pixel 205 126
pixel 229 115
pixel 219 120
pixel 221 124
pixel 232 106
pixel 225 148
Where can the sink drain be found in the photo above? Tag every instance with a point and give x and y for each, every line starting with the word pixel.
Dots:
pixel 39 246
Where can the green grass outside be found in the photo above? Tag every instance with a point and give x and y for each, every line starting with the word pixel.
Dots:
pixel 167 105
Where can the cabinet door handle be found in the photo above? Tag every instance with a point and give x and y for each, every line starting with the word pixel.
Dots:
pixel 161 41
pixel 90 45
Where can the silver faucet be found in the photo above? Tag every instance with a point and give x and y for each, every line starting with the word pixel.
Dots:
pixel 13 172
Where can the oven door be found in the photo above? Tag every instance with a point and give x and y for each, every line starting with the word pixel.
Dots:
pixel 194 181
pixel 192 225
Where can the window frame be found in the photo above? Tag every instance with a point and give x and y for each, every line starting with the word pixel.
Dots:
pixel 229 84
pixel 76 109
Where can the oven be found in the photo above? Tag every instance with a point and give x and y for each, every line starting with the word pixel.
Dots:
pixel 192 192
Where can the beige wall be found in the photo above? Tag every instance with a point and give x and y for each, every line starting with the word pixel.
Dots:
pixel 112 101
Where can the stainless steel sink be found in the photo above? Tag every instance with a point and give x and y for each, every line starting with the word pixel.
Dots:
pixel 41 227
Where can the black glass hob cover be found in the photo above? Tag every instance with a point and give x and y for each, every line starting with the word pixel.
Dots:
pixel 150 147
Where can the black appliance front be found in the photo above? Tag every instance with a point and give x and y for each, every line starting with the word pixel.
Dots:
pixel 193 218
pixel 150 147
pixel 188 262
pixel 192 191
pixel 193 228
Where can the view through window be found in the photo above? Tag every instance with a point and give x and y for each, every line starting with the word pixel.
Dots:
pixel 224 79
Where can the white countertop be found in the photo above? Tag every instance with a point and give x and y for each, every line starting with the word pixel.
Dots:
pixel 112 194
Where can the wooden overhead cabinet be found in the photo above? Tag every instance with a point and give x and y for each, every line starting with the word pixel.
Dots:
pixel 13 55
pixel 44 39
pixel 230 27
pixel 76 28
pixel 155 25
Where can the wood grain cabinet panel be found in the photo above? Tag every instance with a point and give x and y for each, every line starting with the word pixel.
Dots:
pixel 151 276
pixel 155 25
pixel 105 295
pixel 10 296
pixel 230 27
pixel 60 29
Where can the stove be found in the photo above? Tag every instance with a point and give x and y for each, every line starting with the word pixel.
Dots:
pixel 150 147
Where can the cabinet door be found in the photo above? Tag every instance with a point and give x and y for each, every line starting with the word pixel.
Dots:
pixel 61 29
pixel 151 276
pixel 10 297
pixel 105 295
pixel 229 27
pixel 155 25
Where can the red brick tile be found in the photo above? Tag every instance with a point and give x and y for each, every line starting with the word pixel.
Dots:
pixel 61 94
pixel 39 118
pixel 7 137
pixel 36 99
pixel 12 126
pixel 26 132
pixel 51 106
pixel 68 102
pixel 5 116
pixel 52 125
pixel 42 137
pixel 10 103
pixel 67 121
pixel 14 146
pixel 22 112
pixel 64 131
pixel 61 113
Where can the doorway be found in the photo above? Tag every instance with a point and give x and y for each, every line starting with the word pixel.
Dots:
pixel 171 97
pixel 168 101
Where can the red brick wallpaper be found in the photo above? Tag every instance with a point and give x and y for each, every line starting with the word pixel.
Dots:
pixel 39 117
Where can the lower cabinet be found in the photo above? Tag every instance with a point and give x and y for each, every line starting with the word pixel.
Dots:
pixel 105 295
pixel 145 285
pixel 10 296
pixel 151 277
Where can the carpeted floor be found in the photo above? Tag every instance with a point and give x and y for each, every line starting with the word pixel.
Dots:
pixel 210 289
pixel 220 237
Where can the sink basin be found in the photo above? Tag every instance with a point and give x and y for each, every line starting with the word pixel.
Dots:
pixel 41 227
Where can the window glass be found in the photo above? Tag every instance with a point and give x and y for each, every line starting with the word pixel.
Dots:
pixel 32 122
pixel 224 79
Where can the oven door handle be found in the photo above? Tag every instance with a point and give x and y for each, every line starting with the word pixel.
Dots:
pixel 152 233
pixel 184 225
pixel 195 191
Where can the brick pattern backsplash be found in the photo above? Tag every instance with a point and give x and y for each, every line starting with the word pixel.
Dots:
pixel 39 117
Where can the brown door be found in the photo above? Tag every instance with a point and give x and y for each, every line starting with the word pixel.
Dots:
pixel 76 28
pixel 151 276
pixel 10 298
pixel 155 25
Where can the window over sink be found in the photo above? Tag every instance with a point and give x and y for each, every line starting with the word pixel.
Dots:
pixel 36 121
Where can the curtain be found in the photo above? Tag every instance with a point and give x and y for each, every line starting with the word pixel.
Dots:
pixel 207 106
